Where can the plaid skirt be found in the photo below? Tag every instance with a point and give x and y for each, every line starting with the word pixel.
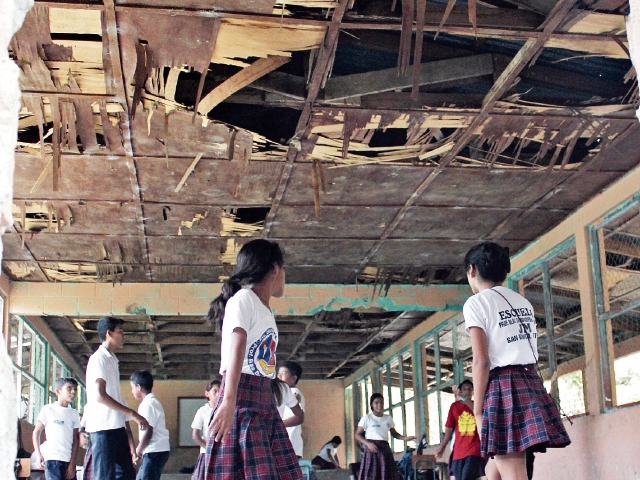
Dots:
pixel 378 465
pixel 88 461
pixel 258 447
pixel 519 414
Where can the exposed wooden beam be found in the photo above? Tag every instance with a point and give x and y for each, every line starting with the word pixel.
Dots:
pixel 244 77
pixel 431 73
pixel 283 84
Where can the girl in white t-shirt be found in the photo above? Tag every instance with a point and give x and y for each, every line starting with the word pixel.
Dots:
pixel 327 458
pixel 247 438
pixel 513 411
pixel 373 430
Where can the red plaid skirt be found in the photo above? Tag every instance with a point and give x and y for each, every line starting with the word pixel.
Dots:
pixel 518 414
pixel 378 465
pixel 88 462
pixel 258 447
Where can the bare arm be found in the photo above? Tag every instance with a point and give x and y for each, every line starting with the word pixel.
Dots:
pixel 222 421
pixel 71 469
pixel 448 433
pixel 35 437
pixel 132 445
pixel 109 401
pixel 399 436
pixel 335 459
pixel 196 436
pixel 360 438
pixel 297 419
pixel 144 440
pixel 481 366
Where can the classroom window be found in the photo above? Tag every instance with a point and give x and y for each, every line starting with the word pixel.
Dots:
pixel 396 387
pixel 615 246
pixel 36 368
pixel 551 285
pixel 441 364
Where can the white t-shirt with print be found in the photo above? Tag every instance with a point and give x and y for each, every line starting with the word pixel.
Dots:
pixel 246 310
pixel 510 341
pixel 151 409
pixel 59 423
pixel 295 433
pixel 376 428
pixel 201 422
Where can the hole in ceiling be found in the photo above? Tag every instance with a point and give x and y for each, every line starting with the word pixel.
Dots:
pixel 390 137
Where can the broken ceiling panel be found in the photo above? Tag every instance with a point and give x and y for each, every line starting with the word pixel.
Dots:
pixel 572 195
pixel 310 252
pixel 468 187
pixel 341 222
pixel 13 248
pixel 23 271
pixel 182 220
pixel 318 274
pixel 248 6
pixel 88 248
pixel 357 185
pixel 187 250
pixel 187 273
pixel 78 174
pixel 212 182
pixel 79 217
pixel 531 224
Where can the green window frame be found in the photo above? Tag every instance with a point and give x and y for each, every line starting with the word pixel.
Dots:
pixel 396 383
pixel 615 257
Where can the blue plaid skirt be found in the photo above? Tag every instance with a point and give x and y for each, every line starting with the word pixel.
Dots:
pixel 519 414
pixel 258 447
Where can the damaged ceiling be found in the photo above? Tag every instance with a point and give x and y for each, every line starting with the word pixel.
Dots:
pixel 376 140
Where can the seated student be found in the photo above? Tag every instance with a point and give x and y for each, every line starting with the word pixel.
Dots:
pixel 153 441
pixel 61 423
pixel 327 459
pixel 202 417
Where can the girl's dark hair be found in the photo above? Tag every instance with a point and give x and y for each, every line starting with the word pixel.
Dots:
pixel 255 261
pixel 276 389
pixel 491 261
pixel 213 382
pixel 336 440
pixel 374 397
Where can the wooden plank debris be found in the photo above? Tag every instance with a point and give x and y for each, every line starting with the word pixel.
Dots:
pixel 244 77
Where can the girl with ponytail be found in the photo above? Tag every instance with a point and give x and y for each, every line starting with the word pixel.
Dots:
pixel 247 438
pixel 514 414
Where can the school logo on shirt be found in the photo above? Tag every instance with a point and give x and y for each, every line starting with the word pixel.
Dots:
pixel 262 354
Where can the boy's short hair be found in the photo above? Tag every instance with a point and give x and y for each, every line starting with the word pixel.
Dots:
pixel 107 324
pixel 213 383
pixel 466 381
pixel 62 381
pixel 294 368
pixel 144 379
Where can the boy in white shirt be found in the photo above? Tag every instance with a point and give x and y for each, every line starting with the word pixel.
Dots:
pixel 290 373
pixel 60 423
pixel 112 449
pixel 153 442
pixel 201 419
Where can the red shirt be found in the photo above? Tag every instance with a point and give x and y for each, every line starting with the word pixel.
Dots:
pixel 467 441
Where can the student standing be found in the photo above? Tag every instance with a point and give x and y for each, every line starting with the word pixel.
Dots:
pixel 514 413
pixel 202 417
pixel 153 441
pixel 61 423
pixel 286 400
pixel 247 438
pixel 373 431
pixel 466 462
pixel 290 373
pixel 112 448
